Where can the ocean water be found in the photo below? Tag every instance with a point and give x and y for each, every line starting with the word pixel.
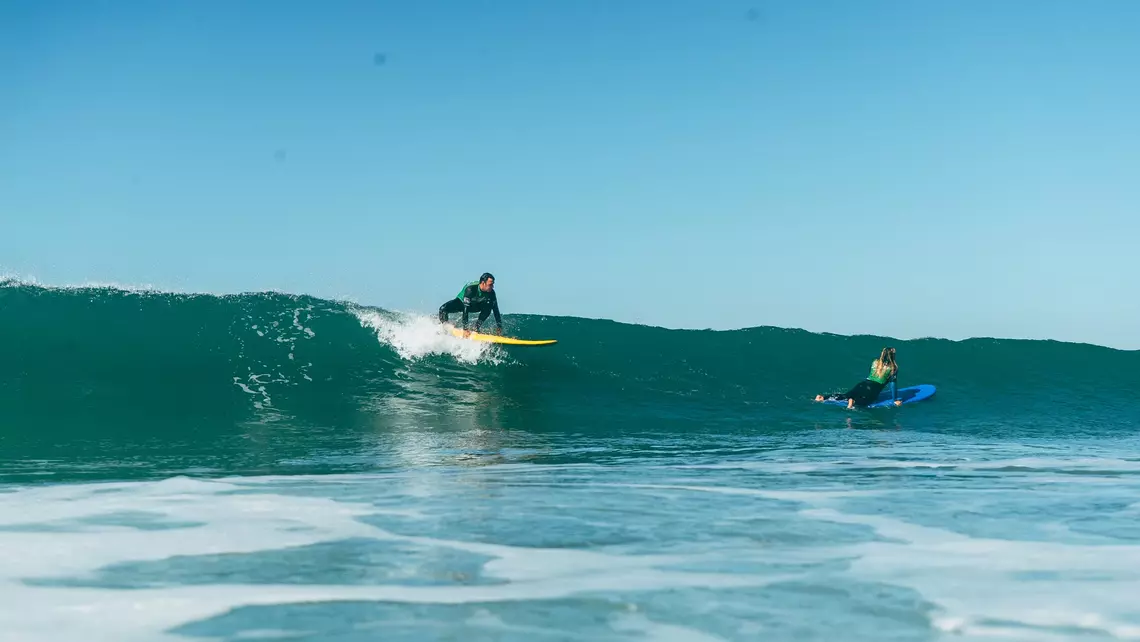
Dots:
pixel 275 467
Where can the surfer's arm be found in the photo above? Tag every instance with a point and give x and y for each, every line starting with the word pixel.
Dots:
pixel 495 310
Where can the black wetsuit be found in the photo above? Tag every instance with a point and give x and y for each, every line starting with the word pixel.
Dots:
pixel 867 391
pixel 472 299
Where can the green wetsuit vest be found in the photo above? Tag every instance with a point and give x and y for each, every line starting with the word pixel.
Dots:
pixel 883 379
pixel 479 294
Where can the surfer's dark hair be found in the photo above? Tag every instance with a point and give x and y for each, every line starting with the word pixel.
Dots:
pixel 486 275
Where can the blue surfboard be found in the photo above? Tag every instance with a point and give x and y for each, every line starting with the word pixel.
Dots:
pixel 910 394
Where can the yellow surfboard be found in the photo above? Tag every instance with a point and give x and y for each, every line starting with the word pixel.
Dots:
pixel 494 338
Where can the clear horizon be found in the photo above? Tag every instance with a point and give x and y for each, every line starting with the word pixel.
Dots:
pixel 881 168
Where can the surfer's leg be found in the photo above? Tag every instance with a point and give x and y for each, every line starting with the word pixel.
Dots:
pixel 864 393
pixel 453 305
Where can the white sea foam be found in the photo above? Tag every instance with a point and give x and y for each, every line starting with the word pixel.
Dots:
pixel 414 336
pixel 980 587
pixel 48 533
pixel 972 579
pixel 1039 465
pixel 984 588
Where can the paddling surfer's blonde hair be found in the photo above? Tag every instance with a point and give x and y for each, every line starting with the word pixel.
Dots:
pixel 886 360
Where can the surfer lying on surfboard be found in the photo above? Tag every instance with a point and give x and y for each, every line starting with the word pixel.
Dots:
pixel 477 296
pixel 884 370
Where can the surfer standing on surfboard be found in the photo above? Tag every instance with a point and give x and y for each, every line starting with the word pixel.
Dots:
pixel 477 296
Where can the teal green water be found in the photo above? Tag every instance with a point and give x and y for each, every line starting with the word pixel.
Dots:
pixel 264 466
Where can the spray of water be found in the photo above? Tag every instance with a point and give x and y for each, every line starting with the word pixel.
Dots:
pixel 414 336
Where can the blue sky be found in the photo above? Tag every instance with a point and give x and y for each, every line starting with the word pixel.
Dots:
pixel 912 169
